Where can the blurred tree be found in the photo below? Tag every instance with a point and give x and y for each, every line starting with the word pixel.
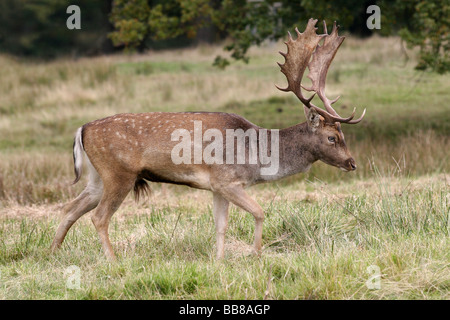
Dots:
pixel 137 21
pixel 38 28
pixel 423 24
pixel 250 22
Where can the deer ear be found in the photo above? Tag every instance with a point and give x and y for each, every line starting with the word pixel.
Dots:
pixel 313 118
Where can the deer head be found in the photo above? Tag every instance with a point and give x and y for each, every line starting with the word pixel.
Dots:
pixel 324 125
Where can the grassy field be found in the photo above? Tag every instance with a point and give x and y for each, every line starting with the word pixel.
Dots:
pixel 381 232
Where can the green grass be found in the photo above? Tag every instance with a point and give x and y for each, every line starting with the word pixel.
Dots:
pixel 147 68
pixel 323 229
pixel 315 249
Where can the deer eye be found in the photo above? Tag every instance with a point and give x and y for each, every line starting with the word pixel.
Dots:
pixel 332 139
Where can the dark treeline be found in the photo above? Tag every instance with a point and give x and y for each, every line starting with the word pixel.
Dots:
pixel 37 28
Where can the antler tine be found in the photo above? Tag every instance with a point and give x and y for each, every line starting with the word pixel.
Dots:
pixel 321 61
pixel 325 31
pixel 346 120
pixel 290 36
pixel 336 99
pixel 359 119
pixel 330 118
pixel 298 54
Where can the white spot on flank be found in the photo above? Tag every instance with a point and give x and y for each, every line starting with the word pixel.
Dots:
pixel 120 135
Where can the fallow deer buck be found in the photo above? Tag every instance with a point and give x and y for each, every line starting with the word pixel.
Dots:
pixel 126 151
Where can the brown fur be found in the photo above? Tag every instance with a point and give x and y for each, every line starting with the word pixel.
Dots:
pixel 123 159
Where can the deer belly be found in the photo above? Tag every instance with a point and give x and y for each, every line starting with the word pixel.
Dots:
pixel 183 176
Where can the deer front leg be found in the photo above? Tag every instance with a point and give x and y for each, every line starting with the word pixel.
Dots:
pixel 239 197
pixel 220 210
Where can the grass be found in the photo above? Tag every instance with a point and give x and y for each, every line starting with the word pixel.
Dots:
pixel 322 229
pixel 314 248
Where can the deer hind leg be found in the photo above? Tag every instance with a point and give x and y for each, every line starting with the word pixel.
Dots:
pixel 239 197
pixel 220 210
pixel 115 190
pixel 85 202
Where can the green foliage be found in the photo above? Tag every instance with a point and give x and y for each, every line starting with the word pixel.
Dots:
pixel 350 14
pixel 431 34
pixel 423 24
pixel 38 27
pixel 130 19
pixel 138 20
pixel 246 24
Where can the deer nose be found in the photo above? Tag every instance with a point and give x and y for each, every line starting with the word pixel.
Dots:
pixel 351 164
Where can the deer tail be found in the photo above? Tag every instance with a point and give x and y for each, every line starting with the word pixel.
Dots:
pixel 78 151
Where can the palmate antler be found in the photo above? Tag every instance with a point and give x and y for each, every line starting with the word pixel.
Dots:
pixel 298 58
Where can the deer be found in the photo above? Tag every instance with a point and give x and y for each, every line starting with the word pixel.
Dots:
pixel 130 150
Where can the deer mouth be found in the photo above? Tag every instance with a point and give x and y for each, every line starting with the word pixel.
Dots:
pixel 350 165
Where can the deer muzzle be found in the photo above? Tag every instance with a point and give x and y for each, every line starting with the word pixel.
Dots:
pixel 350 164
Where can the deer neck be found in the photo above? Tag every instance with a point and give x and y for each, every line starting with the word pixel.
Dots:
pixel 296 152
